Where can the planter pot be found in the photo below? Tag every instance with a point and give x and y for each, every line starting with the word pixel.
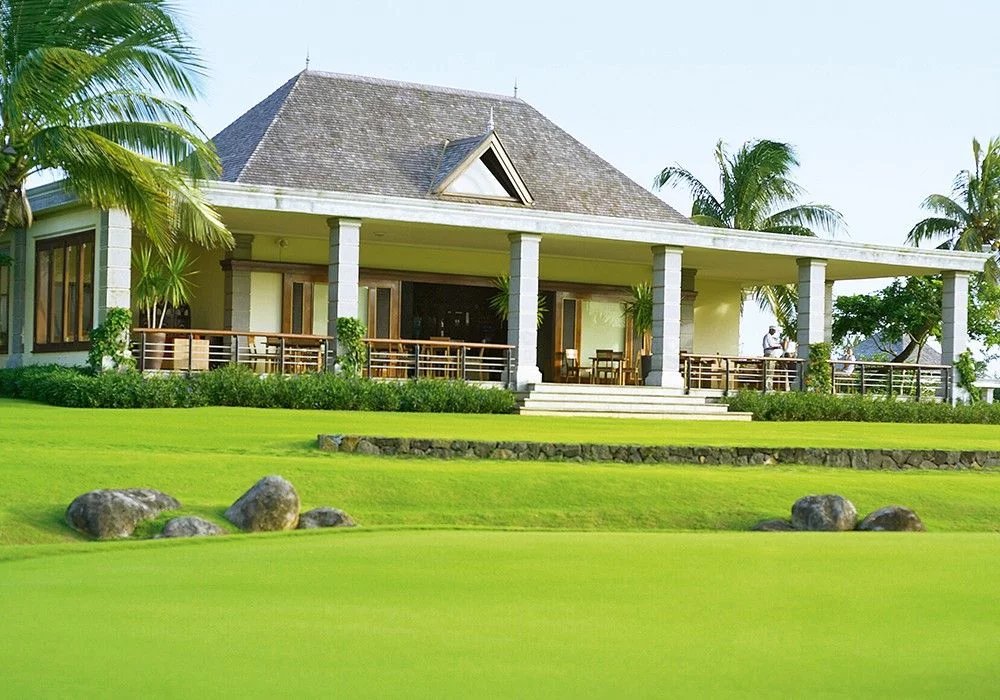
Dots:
pixel 645 366
pixel 156 345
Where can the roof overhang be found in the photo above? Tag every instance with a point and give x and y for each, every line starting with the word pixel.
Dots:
pixel 725 253
pixel 867 260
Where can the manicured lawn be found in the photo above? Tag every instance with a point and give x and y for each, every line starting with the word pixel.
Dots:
pixel 459 614
pixel 487 578
pixel 276 429
pixel 208 457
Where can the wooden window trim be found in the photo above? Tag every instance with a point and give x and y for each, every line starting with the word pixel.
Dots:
pixel 64 243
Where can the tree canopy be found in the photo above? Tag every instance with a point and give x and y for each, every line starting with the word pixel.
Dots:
pixel 757 194
pixel 92 89
pixel 970 218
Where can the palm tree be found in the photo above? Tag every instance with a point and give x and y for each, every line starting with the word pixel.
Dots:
pixel 757 195
pixel 970 220
pixel 91 89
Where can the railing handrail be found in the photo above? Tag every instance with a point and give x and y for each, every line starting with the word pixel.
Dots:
pixel 894 365
pixel 437 343
pixel 230 333
pixel 748 358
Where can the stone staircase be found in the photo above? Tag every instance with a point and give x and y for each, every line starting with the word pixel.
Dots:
pixel 603 401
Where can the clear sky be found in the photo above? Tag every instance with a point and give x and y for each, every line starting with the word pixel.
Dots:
pixel 881 99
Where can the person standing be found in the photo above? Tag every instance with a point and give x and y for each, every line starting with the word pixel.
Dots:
pixel 772 348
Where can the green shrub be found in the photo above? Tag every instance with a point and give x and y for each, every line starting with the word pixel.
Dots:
pixel 819 372
pixel 239 386
pixel 803 406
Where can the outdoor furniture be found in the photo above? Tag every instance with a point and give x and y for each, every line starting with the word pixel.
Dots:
pixel 571 370
pixel 607 366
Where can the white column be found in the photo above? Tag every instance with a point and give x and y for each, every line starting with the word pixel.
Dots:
pixel 828 313
pixel 688 296
pixel 666 317
pixel 343 272
pixel 236 313
pixel 954 321
pixel 812 304
pixel 114 256
pixel 522 308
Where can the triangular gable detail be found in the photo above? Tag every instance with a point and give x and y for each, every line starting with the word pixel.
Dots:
pixel 485 172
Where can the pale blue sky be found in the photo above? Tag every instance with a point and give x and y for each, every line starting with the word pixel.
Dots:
pixel 881 99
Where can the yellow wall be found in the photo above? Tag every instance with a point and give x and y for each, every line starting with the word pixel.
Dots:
pixel 209 303
pixel 717 317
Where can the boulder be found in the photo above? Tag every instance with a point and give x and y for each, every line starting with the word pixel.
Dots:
pixel 773 525
pixel 892 518
pixel 270 504
pixel 110 514
pixel 325 517
pixel 190 526
pixel 828 513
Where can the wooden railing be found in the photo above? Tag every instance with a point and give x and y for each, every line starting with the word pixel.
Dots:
pixel 727 373
pixel 199 350
pixel 401 359
pixel 898 380
pixel 893 379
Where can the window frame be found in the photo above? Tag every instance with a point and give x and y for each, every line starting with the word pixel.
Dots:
pixel 5 292
pixel 82 332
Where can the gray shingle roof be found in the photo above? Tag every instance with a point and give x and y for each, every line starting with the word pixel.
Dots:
pixel 346 133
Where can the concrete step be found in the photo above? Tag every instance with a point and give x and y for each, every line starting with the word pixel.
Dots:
pixel 637 399
pixel 604 390
pixel 737 417
pixel 620 406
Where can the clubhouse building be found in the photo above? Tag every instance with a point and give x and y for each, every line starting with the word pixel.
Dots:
pixel 401 205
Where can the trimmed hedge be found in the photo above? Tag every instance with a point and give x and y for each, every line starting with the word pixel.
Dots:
pixel 808 406
pixel 238 386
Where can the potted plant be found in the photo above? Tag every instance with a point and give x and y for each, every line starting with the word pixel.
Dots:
pixel 500 301
pixel 162 281
pixel 639 309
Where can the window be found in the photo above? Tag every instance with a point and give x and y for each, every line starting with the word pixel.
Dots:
pixel 4 308
pixel 64 292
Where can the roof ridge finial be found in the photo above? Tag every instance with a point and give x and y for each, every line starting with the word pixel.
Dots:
pixel 491 124
pixel 307 58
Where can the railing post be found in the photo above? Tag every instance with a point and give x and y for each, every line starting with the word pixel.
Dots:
pixel 142 351
pixel 416 361
pixel 368 359
pixel 190 366
pixel 461 362
pixel 728 376
pixel 889 390
pixel 234 349
pixel 919 374
pixel 687 375
pixel 281 355
pixel 861 367
pixel 764 369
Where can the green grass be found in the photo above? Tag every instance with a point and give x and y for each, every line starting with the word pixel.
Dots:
pixel 208 457
pixel 460 614
pixel 487 578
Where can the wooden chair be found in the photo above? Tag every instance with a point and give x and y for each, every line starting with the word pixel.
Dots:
pixel 571 365
pixel 605 367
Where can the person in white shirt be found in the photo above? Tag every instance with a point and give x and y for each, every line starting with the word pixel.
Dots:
pixel 772 343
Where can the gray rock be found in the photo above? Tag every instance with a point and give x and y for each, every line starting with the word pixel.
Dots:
pixel 829 513
pixel 270 504
pixel 773 525
pixel 110 514
pixel 325 517
pixel 892 518
pixel 190 526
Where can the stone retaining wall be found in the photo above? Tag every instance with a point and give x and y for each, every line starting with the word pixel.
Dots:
pixel 659 454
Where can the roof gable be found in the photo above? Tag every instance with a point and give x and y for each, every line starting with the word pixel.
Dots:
pixel 343 133
pixel 480 167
